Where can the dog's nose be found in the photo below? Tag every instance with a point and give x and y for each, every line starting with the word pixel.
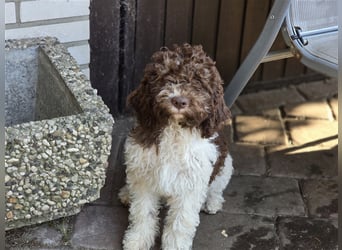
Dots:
pixel 180 102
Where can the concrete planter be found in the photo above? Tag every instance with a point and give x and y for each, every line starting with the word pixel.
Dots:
pixel 58 134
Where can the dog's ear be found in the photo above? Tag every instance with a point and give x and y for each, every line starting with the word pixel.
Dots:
pixel 143 97
pixel 219 112
pixel 141 101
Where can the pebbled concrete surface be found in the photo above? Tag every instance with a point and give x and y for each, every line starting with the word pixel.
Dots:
pixel 283 194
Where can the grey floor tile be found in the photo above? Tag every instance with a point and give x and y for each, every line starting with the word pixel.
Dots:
pixel 321 197
pixel 264 196
pixel 235 232
pixel 297 233
pixel 100 227
pixel 303 162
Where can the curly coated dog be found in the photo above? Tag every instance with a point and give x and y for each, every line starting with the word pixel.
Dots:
pixel 176 153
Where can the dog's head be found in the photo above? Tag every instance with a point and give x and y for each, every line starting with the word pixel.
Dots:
pixel 180 85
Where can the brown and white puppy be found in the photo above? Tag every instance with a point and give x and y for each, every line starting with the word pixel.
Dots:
pixel 176 151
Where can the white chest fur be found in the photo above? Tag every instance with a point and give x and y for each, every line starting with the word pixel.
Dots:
pixel 183 162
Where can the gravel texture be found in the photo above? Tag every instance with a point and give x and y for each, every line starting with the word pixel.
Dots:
pixel 55 166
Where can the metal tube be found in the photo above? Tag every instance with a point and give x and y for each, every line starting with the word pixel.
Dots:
pixel 259 50
pixel 319 31
pixel 277 55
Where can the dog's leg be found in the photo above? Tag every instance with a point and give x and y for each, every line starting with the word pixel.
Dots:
pixel 215 198
pixel 143 219
pixel 124 195
pixel 181 222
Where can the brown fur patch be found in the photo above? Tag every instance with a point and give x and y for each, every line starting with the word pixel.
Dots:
pixel 221 142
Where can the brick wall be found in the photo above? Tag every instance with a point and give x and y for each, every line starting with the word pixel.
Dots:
pixel 68 20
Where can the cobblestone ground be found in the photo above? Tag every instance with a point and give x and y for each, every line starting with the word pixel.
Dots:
pixel 283 194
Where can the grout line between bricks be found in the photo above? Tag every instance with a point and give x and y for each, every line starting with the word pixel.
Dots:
pixel 277 232
pixel 302 94
pixel 46 22
pixel 17 12
pixel 267 162
pixel 233 132
pixel 331 113
pixel 284 124
pixel 300 187
pixel 289 137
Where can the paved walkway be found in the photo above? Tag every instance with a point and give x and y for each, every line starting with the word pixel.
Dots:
pixel 283 194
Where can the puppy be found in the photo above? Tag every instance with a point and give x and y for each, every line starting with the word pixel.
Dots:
pixel 176 152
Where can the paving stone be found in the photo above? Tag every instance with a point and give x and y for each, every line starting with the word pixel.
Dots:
pixel 119 179
pixel 235 232
pixel 248 159
pixel 334 105
pixel 252 202
pixel 229 133
pixel 263 100
pixel 115 175
pixel 321 197
pixel 272 113
pixel 307 233
pixel 311 131
pixel 263 196
pixel 303 162
pixel 45 235
pixel 100 227
pixel 319 89
pixel 49 235
pixel 313 109
pixel 258 129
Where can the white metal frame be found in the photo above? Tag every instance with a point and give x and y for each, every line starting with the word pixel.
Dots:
pixel 259 52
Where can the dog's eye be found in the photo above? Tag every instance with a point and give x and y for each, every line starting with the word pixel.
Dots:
pixel 172 83
pixel 180 82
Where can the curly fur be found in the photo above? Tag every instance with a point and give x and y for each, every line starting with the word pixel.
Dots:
pixel 194 72
pixel 176 150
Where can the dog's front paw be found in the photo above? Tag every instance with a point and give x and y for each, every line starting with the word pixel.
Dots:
pixel 212 206
pixel 210 210
pixel 177 242
pixel 136 241
pixel 124 195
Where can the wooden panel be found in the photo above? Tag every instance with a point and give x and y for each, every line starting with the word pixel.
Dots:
pixel 123 38
pixel 275 70
pixel 127 56
pixel 229 37
pixel 256 14
pixel 178 25
pixel 293 67
pixel 104 50
pixel 309 71
pixel 149 33
pixel 205 24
